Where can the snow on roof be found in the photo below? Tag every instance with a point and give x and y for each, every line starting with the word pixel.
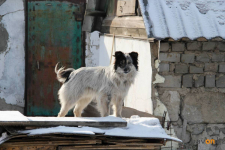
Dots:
pixel 184 18
pixel 136 127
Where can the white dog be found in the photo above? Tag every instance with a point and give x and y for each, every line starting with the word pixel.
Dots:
pixel 108 85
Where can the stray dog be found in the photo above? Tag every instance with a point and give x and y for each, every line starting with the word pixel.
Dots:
pixel 108 85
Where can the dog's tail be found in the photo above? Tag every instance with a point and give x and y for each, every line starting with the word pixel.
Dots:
pixel 63 74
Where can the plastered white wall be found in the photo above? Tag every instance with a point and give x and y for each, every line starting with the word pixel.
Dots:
pixel 92 49
pixel 12 61
pixel 100 47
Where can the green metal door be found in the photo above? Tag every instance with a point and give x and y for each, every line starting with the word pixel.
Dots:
pixel 53 35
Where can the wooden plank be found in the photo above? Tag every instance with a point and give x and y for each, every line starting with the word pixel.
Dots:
pixel 49 142
pixel 28 148
pixel 107 147
pixel 124 31
pixel 126 7
pixel 15 118
pixel 125 22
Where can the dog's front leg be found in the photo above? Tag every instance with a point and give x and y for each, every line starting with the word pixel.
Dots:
pixel 104 105
pixel 117 107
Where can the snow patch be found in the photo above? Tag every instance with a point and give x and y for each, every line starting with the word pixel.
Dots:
pixel 4 135
pixel 136 127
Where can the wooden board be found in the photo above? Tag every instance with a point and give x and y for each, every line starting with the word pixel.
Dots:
pixel 126 7
pixel 124 22
pixel 15 118
pixel 66 142
pixel 132 32
pixel 108 147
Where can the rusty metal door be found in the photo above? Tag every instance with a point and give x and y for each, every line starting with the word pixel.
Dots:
pixel 53 35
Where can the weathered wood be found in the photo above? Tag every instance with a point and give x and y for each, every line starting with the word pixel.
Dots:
pixel 124 22
pixel 50 142
pixel 29 148
pixel 108 147
pixel 125 7
pixel 124 31
pixel 79 142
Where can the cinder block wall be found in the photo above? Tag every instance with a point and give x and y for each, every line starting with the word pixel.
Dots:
pixel 193 91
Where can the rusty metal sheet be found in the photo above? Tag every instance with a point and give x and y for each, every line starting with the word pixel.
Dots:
pixel 53 35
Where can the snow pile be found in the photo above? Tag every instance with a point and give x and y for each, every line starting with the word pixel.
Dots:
pixel 136 127
pixel 4 136
pixel 189 18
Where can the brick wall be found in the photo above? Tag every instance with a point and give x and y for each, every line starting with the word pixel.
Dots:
pixel 192 64
pixel 193 92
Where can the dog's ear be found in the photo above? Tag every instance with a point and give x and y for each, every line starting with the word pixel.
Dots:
pixel 134 56
pixel 118 54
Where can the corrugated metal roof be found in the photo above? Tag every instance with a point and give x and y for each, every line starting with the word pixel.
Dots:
pixel 184 18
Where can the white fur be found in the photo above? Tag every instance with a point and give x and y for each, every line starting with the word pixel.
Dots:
pixel 106 85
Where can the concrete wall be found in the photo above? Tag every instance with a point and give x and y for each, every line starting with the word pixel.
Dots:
pixel 190 86
pixel 98 53
pixel 12 55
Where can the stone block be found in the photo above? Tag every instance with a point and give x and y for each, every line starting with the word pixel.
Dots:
pixel 211 67
pixel 220 82
pixel 170 57
pixel 164 47
pixel 203 58
pixel 207 46
pixel 177 47
pixel 194 69
pixel 217 57
pixel 171 99
pixel 188 58
pixel 210 81
pixel 179 133
pixel 199 81
pixel 222 68
pixel 187 80
pixel 164 67
pixel 221 46
pixel 181 68
pixel 196 128
pixel 194 46
pixel 171 81
pixel 204 107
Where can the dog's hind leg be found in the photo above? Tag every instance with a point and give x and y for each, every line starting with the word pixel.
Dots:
pixel 64 109
pixel 80 105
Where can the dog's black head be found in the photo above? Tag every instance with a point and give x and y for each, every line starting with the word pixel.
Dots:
pixel 126 62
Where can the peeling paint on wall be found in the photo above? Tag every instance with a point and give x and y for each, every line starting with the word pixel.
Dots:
pixel 159 79
pixel 92 49
pixel 2 1
pixel 12 54
pixel 3 38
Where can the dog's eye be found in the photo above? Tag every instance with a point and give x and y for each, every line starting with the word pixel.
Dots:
pixel 122 62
